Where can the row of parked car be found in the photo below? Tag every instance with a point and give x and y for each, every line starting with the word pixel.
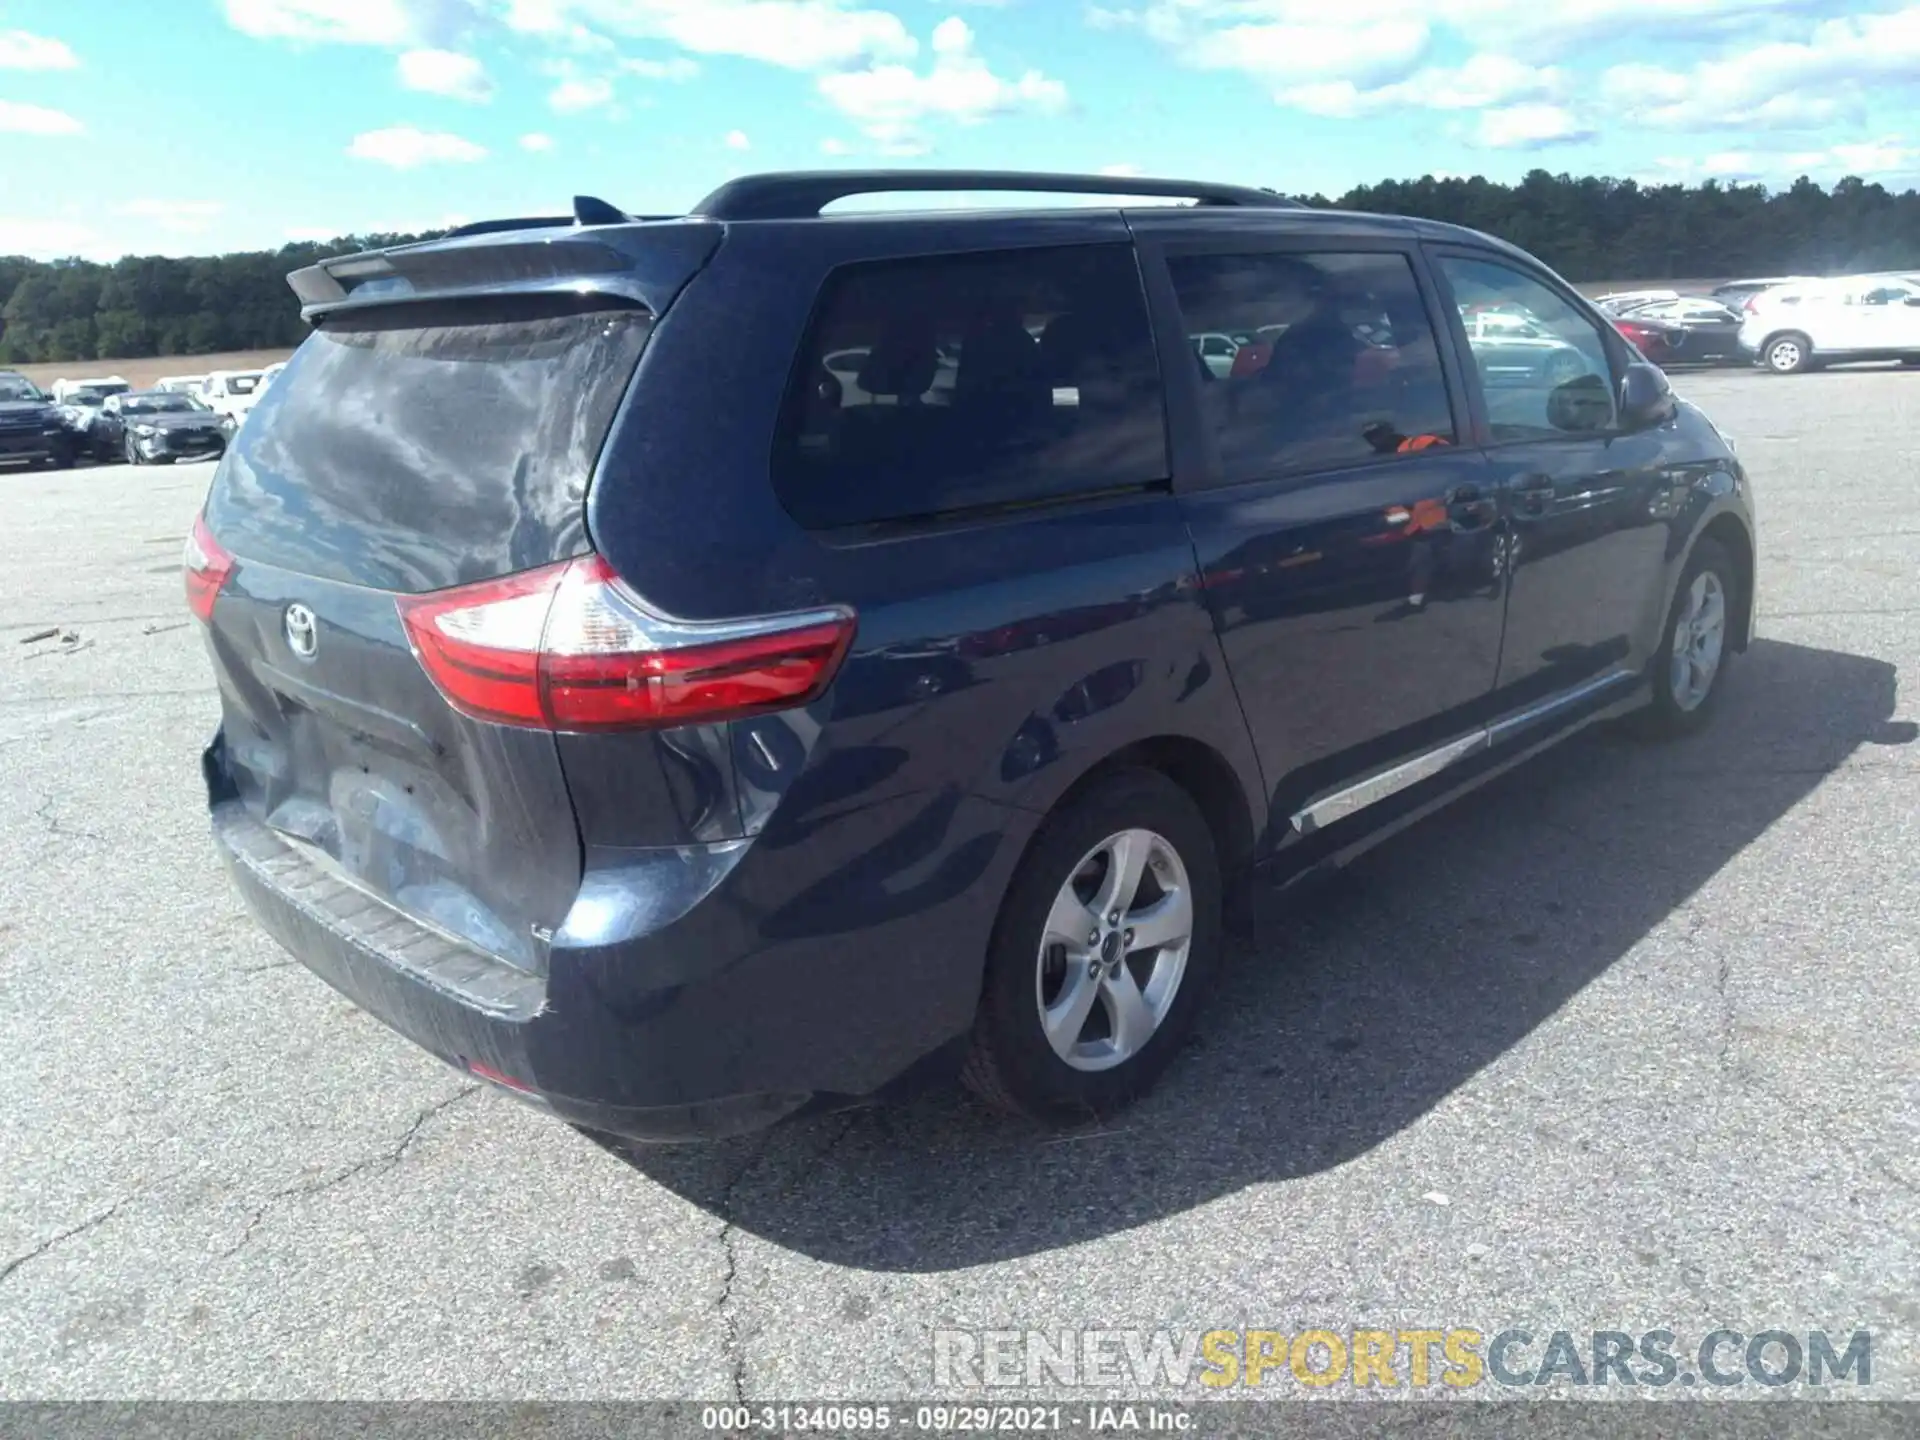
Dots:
pixel 103 418
pixel 1787 323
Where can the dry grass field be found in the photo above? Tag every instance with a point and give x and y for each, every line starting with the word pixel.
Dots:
pixel 141 373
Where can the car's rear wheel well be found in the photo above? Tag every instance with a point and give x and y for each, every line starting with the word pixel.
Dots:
pixel 1203 773
pixel 1733 538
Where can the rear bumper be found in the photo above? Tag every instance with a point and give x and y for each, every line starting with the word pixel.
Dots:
pixel 674 1034
pixel 477 1014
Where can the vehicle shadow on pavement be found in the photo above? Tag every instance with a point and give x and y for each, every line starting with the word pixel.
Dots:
pixel 1361 1007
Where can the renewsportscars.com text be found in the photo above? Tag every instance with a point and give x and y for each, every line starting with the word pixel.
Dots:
pixel 1456 1357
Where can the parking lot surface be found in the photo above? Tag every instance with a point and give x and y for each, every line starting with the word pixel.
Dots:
pixel 1625 1041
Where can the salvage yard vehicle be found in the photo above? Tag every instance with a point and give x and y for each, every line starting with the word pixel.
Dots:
pixel 1708 332
pixel 31 431
pixel 642 719
pixel 231 394
pixel 151 426
pixel 181 384
pixel 99 388
pixel 1511 346
pixel 1834 322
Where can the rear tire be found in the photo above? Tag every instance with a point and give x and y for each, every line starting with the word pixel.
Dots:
pixel 1120 1007
pixel 1689 670
pixel 131 451
pixel 1789 354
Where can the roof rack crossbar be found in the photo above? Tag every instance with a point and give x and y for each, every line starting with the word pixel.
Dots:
pixel 797 195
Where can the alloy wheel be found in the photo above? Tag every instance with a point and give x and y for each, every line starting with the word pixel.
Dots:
pixel 1699 639
pixel 1114 950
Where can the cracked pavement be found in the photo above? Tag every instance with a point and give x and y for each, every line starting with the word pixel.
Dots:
pixel 1626 1040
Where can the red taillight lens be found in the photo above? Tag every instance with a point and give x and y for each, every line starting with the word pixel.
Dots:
pixel 207 566
pixel 569 647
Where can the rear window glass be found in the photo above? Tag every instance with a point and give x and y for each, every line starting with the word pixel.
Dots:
pixel 964 381
pixel 414 451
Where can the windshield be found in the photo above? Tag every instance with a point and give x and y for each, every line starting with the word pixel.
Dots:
pixel 157 404
pixel 85 397
pixel 16 389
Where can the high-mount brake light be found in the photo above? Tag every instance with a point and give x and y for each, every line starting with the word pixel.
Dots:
pixel 207 566
pixel 570 647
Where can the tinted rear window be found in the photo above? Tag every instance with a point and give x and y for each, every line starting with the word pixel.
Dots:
pixel 422 450
pixel 959 382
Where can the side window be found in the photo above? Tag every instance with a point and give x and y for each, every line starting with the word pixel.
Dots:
pixel 1545 375
pixel 1340 364
pixel 949 383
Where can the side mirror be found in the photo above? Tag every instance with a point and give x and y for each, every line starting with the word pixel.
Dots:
pixel 1646 399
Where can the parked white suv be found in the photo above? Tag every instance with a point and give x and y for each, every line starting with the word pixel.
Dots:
pixel 1827 322
pixel 232 393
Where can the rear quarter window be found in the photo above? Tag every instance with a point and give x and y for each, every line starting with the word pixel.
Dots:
pixel 958 383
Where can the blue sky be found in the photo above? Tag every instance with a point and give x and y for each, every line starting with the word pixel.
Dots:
pixel 190 126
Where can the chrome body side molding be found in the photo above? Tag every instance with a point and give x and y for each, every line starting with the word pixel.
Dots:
pixel 1351 798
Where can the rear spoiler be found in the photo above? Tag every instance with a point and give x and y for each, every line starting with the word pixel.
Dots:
pixel 643 263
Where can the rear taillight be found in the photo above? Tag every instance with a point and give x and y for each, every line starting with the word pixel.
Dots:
pixel 569 647
pixel 207 566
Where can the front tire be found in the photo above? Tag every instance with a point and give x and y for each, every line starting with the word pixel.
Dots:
pixel 1690 668
pixel 1105 946
pixel 1788 355
pixel 132 451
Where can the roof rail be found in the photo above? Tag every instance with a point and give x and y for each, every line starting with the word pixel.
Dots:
pixel 800 194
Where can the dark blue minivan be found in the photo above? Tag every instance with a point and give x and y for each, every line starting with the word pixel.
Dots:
pixel 692 671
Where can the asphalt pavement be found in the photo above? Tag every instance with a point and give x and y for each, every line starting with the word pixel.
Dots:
pixel 1626 1041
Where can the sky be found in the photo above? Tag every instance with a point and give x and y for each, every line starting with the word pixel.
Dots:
pixel 199 126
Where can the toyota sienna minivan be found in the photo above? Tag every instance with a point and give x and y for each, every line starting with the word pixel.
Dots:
pixel 694 671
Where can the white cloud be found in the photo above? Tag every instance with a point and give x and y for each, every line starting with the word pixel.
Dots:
pixel 1529 127
pixel 1270 28
pixel 350 22
pixel 405 148
pixel 575 94
pixel 1482 81
pixel 50 239
pixel 738 140
pixel 1889 157
pixel 889 102
pixel 536 143
pixel 1365 52
pixel 678 68
pixel 795 34
pixel 446 72
pixel 179 217
pixel 17 118
pixel 1779 85
pixel 831 146
pixel 20 50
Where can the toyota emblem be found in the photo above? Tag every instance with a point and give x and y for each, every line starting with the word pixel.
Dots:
pixel 303 631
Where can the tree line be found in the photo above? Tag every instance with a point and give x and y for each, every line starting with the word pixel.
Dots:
pixel 1587 227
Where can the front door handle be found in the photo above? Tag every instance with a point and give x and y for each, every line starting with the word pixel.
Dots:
pixel 1470 508
pixel 1532 494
